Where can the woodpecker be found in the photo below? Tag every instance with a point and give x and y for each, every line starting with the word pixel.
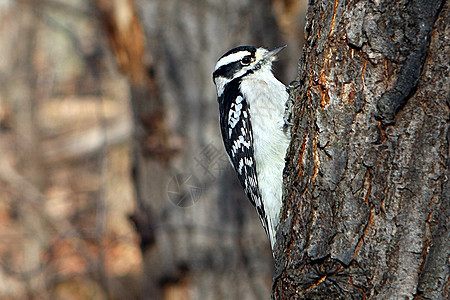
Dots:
pixel 251 113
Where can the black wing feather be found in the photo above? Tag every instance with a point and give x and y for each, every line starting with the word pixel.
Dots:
pixel 236 127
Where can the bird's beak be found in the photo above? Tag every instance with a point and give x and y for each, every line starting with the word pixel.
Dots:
pixel 274 52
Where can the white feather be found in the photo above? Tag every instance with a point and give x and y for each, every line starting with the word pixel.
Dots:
pixel 267 98
pixel 230 58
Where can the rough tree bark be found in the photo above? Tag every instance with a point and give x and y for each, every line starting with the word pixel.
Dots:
pixel 366 214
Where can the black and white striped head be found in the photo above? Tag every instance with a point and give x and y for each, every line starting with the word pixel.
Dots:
pixel 240 62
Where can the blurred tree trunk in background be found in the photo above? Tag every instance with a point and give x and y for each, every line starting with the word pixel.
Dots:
pixel 200 237
pixel 367 203
pixel 30 156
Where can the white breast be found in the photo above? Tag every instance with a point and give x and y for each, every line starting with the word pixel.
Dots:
pixel 267 98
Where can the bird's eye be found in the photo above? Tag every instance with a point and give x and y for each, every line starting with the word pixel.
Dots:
pixel 246 60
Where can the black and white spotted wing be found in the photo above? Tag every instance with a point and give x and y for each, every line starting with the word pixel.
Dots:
pixel 238 140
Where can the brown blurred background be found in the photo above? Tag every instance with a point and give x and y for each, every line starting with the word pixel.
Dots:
pixel 113 179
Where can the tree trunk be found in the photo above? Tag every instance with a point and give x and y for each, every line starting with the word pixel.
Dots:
pixel 366 211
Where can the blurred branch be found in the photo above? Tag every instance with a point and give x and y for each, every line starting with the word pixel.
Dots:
pixel 65 8
pixel 81 144
pixel 18 182
pixel 126 37
pixel 58 6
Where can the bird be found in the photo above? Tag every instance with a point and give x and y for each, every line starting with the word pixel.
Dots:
pixel 252 105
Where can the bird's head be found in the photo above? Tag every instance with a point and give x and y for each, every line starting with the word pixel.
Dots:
pixel 242 61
